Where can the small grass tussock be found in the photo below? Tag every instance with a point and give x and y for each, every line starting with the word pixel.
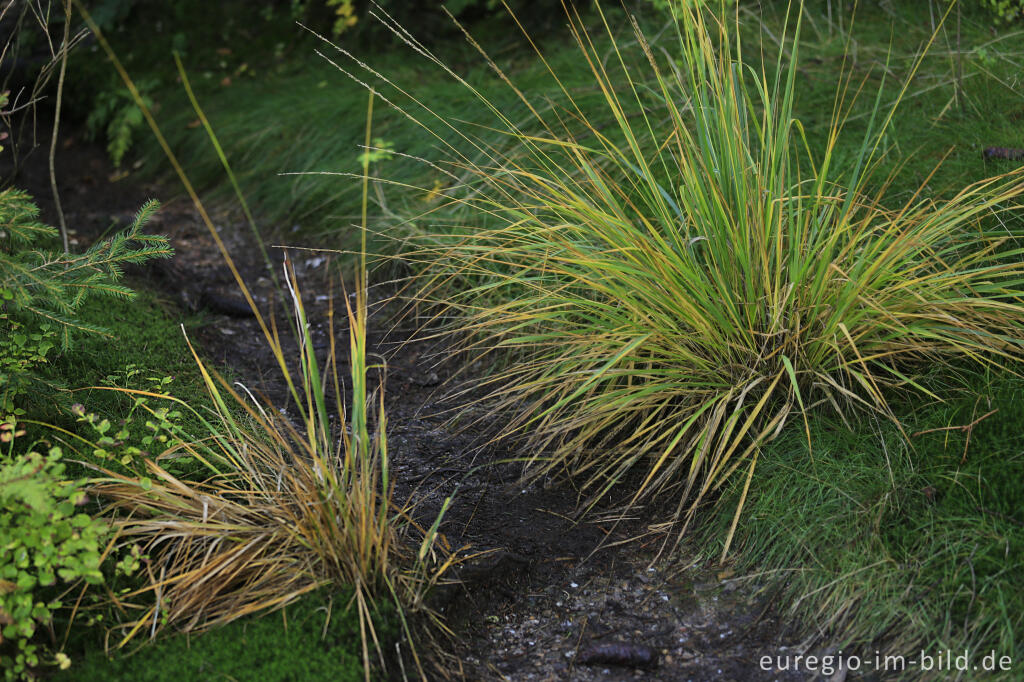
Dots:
pixel 289 504
pixel 680 285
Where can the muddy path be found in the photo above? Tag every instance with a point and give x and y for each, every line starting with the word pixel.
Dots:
pixel 549 598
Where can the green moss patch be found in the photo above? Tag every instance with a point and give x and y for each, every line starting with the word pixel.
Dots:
pixel 313 639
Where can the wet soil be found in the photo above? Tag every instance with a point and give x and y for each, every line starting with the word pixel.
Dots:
pixel 544 597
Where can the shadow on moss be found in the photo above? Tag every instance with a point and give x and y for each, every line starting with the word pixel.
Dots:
pixel 315 638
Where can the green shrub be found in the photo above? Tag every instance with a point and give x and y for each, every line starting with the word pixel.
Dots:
pixel 1005 10
pixel 41 290
pixel 22 351
pixel 345 12
pixel 47 542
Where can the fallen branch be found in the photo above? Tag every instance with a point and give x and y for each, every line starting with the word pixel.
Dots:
pixel 968 428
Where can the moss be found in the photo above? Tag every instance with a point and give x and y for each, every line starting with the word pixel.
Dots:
pixel 145 335
pixel 907 548
pixel 313 639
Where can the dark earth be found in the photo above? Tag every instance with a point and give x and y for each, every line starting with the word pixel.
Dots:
pixel 544 597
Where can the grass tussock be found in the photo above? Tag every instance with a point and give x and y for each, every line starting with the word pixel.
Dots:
pixel 291 503
pixel 677 287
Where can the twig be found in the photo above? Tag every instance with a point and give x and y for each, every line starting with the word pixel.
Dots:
pixel 968 428
pixel 579 640
pixel 56 122
pixel 961 427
